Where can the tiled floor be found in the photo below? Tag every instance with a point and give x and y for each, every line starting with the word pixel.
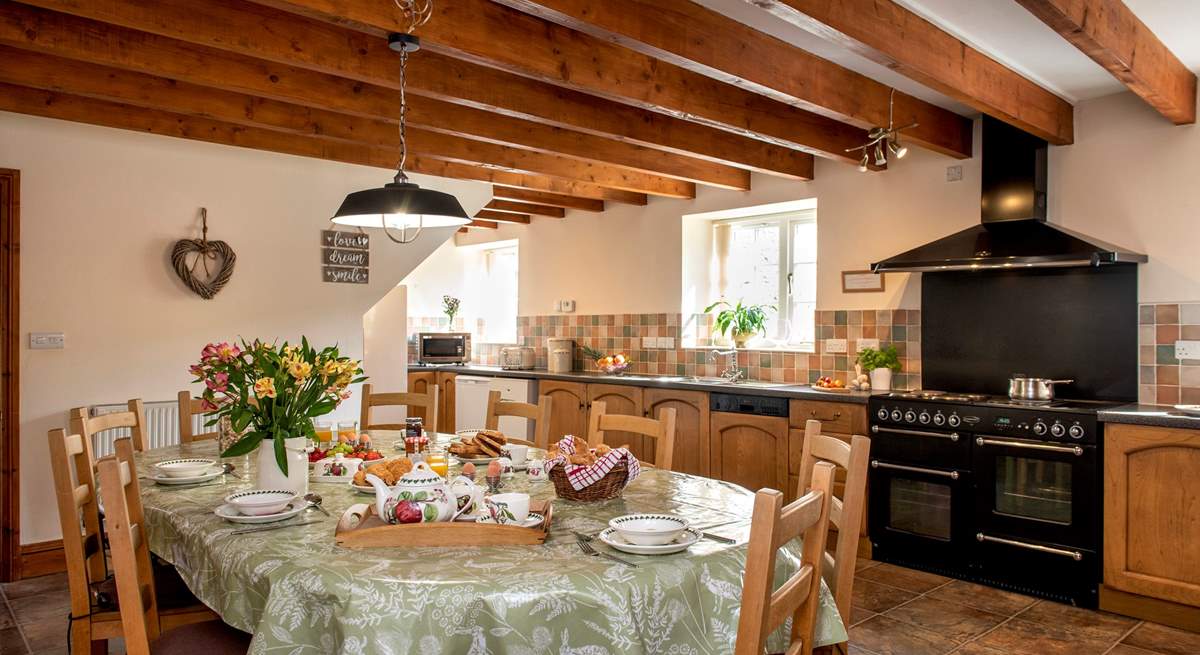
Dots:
pixel 896 611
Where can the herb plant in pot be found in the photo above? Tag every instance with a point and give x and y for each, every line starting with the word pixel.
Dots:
pixel 880 364
pixel 741 322
pixel 271 393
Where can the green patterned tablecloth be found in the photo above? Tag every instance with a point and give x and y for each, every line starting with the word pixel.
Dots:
pixel 300 593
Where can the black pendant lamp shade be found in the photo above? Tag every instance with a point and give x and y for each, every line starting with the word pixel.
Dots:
pixel 400 205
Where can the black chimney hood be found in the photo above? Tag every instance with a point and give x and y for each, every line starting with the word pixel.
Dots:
pixel 1013 232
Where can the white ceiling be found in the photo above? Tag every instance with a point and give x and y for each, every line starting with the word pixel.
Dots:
pixel 1003 30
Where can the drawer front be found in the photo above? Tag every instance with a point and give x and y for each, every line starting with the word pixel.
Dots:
pixel 796 452
pixel 834 417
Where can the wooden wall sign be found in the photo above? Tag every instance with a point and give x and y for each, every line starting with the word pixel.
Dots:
pixel 345 257
pixel 861 282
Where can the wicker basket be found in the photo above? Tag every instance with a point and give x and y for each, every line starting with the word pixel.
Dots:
pixel 609 486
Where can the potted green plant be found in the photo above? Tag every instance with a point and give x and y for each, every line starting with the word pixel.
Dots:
pixel 740 321
pixel 880 364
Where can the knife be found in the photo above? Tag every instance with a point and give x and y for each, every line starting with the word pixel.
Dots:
pixel 272 527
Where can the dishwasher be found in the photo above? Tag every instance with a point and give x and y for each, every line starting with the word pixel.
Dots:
pixel 471 398
pixel 748 438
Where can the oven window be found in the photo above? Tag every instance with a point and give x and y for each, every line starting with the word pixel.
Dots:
pixel 441 347
pixel 921 508
pixel 1033 489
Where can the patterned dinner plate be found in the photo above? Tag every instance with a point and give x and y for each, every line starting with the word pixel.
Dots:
pixel 681 543
pixel 213 473
pixel 230 513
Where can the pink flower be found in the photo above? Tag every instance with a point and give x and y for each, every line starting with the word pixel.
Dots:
pixel 207 405
pixel 226 352
pixel 197 370
pixel 209 352
pixel 344 394
pixel 218 382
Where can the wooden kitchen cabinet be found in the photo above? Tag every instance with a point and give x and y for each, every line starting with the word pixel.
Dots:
pixel 749 450
pixel 621 399
pixel 691 426
pixel 569 410
pixel 1152 514
pixel 419 382
pixel 446 404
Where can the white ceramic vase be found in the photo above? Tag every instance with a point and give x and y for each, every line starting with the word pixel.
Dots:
pixel 269 475
pixel 881 379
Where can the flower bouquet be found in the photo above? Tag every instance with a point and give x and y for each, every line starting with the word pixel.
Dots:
pixel 273 392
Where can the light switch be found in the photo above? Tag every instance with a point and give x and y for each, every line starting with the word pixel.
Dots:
pixel 47 341
pixel 567 305
pixel 835 345
pixel 649 342
pixel 1187 350
pixel 868 343
pixel 666 342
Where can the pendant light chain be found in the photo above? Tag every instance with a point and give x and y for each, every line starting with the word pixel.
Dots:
pixel 401 177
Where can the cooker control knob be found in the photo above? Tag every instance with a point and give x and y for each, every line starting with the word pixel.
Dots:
pixel 923 418
pixel 1058 430
pixel 1039 428
pixel 939 418
pixel 882 413
pixel 910 416
pixel 897 415
pixel 1076 431
pixel 954 420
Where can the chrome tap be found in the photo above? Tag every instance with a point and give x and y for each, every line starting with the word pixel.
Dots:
pixel 732 373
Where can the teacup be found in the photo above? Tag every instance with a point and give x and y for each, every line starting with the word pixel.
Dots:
pixel 508 508
pixel 536 469
pixel 506 467
pixel 517 453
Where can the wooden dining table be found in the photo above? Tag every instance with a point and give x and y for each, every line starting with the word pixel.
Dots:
pixel 299 592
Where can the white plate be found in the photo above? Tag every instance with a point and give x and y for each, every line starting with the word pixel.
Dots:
pixel 681 543
pixel 1190 410
pixel 213 474
pixel 532 521
pixel 367 490
pixel 183 468
pixel 230 513
pixel 649 529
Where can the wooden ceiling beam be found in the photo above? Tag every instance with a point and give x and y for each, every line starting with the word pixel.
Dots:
pixel 491 225
pixel 703 41
pixel 535 183
pixel 551 199
pixel 492 35
pixel 525 208
pixel 503 217
pixel 1109 33
pixel 294 59
pixel 885 32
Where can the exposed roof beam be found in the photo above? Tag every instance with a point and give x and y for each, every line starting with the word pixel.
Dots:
pixel 552 199
pixel 531 182
pixel 485 224
pixel 525 208
pixel 706 42
pixel 1109 33
pixel 309 61
pixel 503 217
pixel 889 34
pixel 492 35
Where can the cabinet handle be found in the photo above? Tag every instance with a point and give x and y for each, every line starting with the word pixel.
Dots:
pixel 836 416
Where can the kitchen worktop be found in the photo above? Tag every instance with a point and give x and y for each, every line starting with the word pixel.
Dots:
pixel 751 387
pixel 1164 416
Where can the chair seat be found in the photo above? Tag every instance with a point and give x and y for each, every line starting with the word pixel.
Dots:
pixel 170 589
pixel 207 638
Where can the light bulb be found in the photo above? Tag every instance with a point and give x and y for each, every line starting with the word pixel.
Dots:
pixel 896 148
pixel 862 163
pixel 880 159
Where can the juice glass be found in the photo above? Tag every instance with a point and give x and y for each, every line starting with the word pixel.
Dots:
pixel 438 463
pixel 349 430
pixel 324 431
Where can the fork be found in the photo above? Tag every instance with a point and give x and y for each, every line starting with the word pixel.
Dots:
pixel 585 545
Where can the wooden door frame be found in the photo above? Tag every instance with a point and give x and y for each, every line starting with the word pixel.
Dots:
pixel 10 286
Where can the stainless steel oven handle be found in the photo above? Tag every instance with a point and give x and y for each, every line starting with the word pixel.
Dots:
pixel 953 436
pixel 1074 450
pixel 1073 554
pixel 876 464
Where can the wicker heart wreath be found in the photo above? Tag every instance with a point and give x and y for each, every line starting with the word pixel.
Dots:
pixel 203 253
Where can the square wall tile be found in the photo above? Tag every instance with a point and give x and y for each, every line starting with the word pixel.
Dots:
pixel 1167 375
pixel 1146 315
pixel 1166 314
pixel 1189 314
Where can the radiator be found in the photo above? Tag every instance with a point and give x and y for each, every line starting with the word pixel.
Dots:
pixel 162 426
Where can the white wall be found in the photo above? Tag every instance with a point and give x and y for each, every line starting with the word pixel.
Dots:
pixel 100 210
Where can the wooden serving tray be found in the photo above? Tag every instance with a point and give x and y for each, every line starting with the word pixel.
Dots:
pixel 373 532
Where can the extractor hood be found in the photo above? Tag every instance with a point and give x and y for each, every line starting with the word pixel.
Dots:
pixel 1013 232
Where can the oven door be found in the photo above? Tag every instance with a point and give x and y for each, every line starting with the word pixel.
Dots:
pixel 920 517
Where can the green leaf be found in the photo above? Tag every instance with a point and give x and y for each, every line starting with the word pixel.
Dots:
pixel 430 513
pixel 244 445
pixel 280 453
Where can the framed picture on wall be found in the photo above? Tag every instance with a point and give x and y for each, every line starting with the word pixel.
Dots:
pixel 861 282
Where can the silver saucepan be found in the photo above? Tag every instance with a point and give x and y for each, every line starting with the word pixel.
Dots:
pixel 1022 387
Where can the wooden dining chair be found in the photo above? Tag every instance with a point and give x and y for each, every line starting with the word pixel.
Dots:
pixel 846 513
pixel 765 607
pixel 144 629
pixel 662 430
pixel 426 401
pixel 188 408
pixel 539 414
pixel 87 426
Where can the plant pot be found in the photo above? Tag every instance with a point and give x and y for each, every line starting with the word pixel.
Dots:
pixel 741 338
pixel 270 477
pixel 881 379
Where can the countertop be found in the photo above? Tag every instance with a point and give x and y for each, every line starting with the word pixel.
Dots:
pixel 749 387
pixel 1164 416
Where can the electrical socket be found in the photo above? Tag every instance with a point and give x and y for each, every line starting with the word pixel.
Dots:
pixel 835 345
pixel 649 342
pixel 47 341
pixel 567 305
pixel 954 173
pixel 666 342
pixel 868 343
pixel 1187 350
pixel 558 305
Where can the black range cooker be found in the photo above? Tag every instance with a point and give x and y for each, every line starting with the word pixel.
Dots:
pixel 984 488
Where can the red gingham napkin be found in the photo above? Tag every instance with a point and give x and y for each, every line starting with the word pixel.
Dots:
pixel 582 476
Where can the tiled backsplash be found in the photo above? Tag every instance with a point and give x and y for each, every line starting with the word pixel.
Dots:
pixel 1163 379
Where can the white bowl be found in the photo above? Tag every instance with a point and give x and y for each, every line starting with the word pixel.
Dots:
pixel 260 502
pixel 649 529
pixel 184 468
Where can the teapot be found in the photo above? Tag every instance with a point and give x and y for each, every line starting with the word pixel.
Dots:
pixel 419 496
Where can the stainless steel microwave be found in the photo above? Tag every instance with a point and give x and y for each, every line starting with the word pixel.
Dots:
pixel 443 347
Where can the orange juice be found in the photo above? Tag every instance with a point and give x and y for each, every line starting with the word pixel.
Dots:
pixel 438 464
pixel 324 431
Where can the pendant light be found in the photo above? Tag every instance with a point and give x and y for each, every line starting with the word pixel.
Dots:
pixel 402 205
pixel 883 140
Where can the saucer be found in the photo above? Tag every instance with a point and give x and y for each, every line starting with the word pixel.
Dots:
pixel 230 513
pixel 532 521
pixel 680 544
pixel 212 474
pixel 366 490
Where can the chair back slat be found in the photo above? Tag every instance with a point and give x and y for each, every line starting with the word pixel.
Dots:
pixel 661 430
pixel 188 408
pixel 78 515
pixel 133 418
pixel 539 414
pixel 427 401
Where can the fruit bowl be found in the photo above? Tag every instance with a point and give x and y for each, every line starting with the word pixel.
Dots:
pixel 613 368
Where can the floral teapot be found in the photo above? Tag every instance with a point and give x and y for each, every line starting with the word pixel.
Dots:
pixel 468 494
pixel 419 496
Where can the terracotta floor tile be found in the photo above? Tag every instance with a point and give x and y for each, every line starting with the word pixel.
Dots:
pixel 891 637
pixel 1122 649
pixel 35 586
pixel 862 564
pixel 974 648
pixel 11 642
pixel 6 618
pixel 47 635
pixel 1162 639
pixel 39 609
pixel 907 579
pixel 953 621
pixel 1100 625
pixel 1018 637
pixel 855 650
pixel 987 599
pixel 858 614
pixel 875 597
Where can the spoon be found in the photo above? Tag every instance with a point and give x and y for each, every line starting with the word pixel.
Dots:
pixel 314 500
pixel 228 469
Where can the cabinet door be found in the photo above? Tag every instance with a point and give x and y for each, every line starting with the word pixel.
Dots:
pixel 619 399
pixel 446 403
pixel 418 382
pixel 691 426
pixel 1152 512
pixel 569 410
pixel 749 450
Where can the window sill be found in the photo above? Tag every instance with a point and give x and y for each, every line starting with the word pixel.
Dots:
pixel 806 349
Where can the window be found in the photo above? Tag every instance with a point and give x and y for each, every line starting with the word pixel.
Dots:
pixel 497 295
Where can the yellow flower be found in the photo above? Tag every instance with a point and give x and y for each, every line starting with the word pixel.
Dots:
pixel 299 369
pixel 264 387
pixel 330 368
